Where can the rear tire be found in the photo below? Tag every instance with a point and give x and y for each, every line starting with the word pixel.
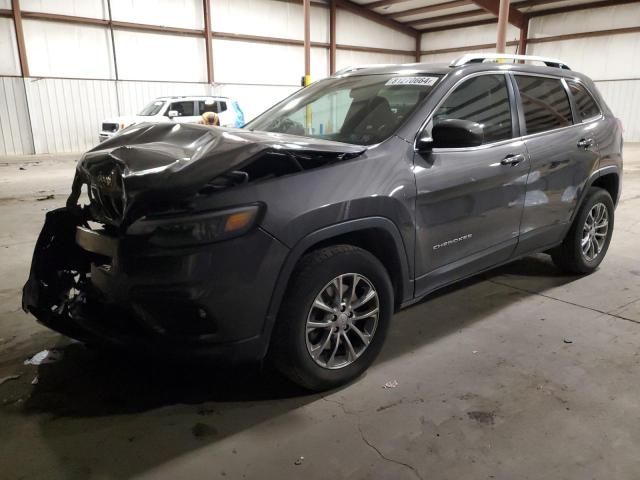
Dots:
pixel 322 338
pixel 587 241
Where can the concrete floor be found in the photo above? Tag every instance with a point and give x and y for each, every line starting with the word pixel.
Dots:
pixel 518 373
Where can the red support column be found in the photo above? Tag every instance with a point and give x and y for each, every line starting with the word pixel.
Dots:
pixel 524 34
pixel 307 41
pixel 22 51
pixel 503 20
pixel 332 37
pixel 208 39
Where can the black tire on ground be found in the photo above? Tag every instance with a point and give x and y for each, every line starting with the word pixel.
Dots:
pixel 568 256
pixel 289 341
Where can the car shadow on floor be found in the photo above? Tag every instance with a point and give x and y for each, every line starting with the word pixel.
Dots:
pixel 451 308
pixel 198 405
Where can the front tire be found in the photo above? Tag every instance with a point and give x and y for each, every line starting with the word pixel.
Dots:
pixel 587 241
pixel 334 317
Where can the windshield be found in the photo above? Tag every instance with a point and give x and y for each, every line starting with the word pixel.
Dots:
pixel 361 110
pixel 151 109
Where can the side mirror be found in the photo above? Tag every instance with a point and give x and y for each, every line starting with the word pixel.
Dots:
pixel 424 144
pixel 172 113
pixel 456 133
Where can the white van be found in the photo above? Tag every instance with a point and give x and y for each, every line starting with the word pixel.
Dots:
pixel 179 110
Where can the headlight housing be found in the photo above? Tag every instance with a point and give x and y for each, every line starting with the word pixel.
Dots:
pixel 196 229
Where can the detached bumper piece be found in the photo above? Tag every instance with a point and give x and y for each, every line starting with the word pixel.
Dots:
pixel 96 287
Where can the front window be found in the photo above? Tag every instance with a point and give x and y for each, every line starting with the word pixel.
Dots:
pixel 183 109
pixel 151 109
pixel 361 110
pixel 483 100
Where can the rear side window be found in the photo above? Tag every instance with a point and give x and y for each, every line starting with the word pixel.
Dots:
pixel 545 103
pixel 586 105
pixel 216 106
pixel 484 100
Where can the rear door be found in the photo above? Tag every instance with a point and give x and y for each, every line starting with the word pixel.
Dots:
pixel 563 153
pixel 220 107
pixel 469 200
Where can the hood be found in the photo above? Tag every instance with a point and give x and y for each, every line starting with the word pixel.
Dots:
pixel 161 163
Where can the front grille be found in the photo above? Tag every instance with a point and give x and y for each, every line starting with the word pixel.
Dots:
pixel 106 193
pixel 109 127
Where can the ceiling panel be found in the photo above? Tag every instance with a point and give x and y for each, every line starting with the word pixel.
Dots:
pixel 430 17
pixel 410 4
pixel 440 13
pixel 549 5
pixel 433 24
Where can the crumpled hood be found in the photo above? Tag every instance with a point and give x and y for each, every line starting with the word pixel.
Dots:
pixel 167 162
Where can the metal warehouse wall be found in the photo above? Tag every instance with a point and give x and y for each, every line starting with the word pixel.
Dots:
pixel 72 87
pixel 611 60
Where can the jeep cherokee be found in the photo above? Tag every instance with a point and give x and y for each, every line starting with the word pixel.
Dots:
pixel 298 236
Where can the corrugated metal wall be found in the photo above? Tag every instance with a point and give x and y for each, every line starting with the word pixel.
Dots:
pixel 66 114
pixel 15 130
pixel 623 97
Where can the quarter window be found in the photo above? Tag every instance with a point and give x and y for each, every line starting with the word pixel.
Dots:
pixel 483 100
pixel 545 103
pixel 586 105
pixel 216 106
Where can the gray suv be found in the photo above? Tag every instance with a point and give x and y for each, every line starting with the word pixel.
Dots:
pixel 297 237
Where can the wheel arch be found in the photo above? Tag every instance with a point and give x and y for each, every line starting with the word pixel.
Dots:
pixel 378 235
pixel 607 178
pixel 609 181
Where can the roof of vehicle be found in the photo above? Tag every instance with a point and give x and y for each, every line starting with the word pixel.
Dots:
pixel 471 66
pixel 190 97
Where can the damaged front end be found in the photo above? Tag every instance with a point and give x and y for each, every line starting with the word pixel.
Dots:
pixel 118 269
pixel 55 292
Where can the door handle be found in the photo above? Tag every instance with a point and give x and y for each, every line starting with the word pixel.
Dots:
pixel 585 143
pixel 512 159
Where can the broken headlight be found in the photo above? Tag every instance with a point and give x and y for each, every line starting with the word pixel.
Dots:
pixel 196 229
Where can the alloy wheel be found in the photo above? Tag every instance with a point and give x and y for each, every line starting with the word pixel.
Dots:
pixel 594 231
pixel 342 321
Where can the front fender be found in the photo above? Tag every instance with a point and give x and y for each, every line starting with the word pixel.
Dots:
pixel 327 233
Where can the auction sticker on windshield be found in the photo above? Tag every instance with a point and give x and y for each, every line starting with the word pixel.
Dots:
pixel 427 81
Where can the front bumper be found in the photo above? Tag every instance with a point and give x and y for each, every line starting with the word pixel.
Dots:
pixel 210 300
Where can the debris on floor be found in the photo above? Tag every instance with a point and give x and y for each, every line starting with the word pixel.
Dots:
pixel 35 380
pixel 44 357
pixel 483 418
pixel 566 340
pixel 9 378
pixel 391 384
pixel 47 197
pixel 299 461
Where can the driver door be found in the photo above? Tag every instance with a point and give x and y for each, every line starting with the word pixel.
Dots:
pixel 470 198
pixel 186 111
